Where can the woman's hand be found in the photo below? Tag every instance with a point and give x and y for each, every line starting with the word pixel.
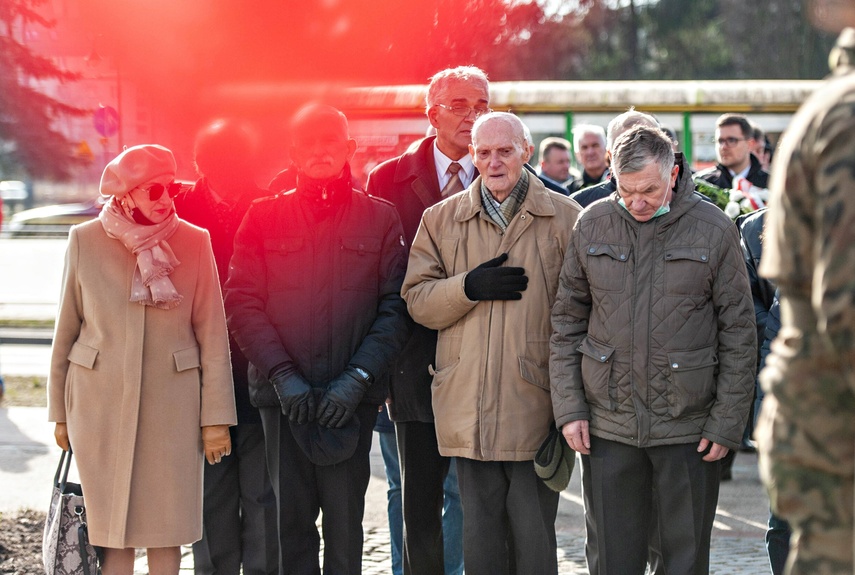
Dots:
pixel 217 442
pixel 60 432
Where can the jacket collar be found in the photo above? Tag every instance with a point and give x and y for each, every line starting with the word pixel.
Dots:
pixel 754 167
pixel 537 201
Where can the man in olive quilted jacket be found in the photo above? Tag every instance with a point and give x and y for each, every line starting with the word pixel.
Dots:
pixel 652 360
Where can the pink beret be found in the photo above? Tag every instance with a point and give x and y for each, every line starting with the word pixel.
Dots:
pixel 135 166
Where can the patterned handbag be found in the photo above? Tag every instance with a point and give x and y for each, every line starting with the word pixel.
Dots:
pixel 65 546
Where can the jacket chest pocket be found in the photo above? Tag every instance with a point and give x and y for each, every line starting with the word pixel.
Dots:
pixel 360 263
pixel 607 266
pixel 687 271
pixel 284 262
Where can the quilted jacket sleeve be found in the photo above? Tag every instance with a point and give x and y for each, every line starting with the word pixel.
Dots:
pixel 569 326
pixel 737 345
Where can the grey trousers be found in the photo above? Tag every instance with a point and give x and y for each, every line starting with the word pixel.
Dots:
pixel 239 511
pixel 508 518
pixel 654 503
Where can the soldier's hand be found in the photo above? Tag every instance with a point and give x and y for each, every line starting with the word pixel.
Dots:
pixel 717 451
pixel 491 281
pixel 577 436
pixel 294 393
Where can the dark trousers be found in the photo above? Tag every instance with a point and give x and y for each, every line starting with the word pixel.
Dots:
pixel 239 511
pixel 627 488
pixel 423 472
pixel 508 518
pixel 303 489
pixel 778 543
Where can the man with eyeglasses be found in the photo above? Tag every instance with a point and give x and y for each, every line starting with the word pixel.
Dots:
pixel 430 170
pixel 734 137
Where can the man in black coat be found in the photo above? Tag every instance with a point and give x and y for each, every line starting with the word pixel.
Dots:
pixel 239 510
pixel 432 169
pixel 313 299
pixel 734 139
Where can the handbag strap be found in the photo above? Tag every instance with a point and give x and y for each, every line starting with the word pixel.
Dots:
pixel 62 470
pixel 83 539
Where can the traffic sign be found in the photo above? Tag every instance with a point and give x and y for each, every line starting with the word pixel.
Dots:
pixel 106 120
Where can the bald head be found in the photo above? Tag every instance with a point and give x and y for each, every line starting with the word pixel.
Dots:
pixel 320 145
pixel 499 150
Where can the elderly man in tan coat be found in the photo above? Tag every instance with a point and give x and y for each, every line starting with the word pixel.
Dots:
pixel 483 270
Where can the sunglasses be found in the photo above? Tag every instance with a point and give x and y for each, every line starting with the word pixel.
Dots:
pixel 155 191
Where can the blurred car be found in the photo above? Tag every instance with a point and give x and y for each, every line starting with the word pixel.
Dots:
pixel 53 220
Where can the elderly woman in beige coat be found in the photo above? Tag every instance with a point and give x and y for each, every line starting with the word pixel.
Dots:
pixel 140 381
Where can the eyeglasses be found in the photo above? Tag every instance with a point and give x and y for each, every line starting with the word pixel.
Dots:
pixel 729 142
pixel 155 191
pixel 464 111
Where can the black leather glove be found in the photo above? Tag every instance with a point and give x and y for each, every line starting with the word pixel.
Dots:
pixel 341 398
pixel 490 281
pixel 294 393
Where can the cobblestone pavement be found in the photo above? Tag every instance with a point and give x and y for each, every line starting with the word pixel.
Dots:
pixel 741 555
pixel 737 544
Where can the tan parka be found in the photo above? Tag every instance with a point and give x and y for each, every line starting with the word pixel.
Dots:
pixel 654 340
pixel 490 389
pixel 135 384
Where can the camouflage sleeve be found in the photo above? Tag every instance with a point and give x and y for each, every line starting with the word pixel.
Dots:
pixel 811 236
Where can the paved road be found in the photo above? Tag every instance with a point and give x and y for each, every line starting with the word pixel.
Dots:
pixel 30 272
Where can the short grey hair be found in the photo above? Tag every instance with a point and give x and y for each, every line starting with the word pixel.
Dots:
pixel 440 81
pixel 640 146
pixel 519 129
pixel 583 130
pixel 625 121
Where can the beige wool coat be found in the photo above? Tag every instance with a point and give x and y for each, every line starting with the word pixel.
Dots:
pixel 135 384
pixel 490 389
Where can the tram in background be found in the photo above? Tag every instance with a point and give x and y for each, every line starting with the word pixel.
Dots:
pixel 385 120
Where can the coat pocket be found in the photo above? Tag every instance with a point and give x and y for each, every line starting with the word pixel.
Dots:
pixel 284 262
pixel 535 374
pixel 607 266
pixel 693 373
pixel 360 266
pixel 187 358
pixel 83 355
pixel 687 271
pixel 597 373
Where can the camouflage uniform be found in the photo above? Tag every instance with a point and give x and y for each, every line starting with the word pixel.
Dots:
pixel 806 431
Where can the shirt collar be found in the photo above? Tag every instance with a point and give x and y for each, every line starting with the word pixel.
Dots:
pixel 441 161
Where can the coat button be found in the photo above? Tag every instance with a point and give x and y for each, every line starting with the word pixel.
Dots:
pixel 623 257
pixel 703 258
pixel 675 365
pixel 591 250
pixel 602 358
